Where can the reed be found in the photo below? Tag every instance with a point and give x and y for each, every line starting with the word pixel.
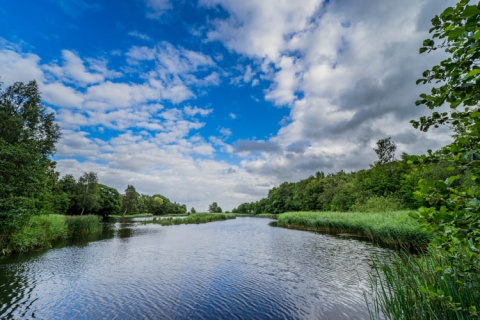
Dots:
pixel 38 232
pixel 193 219
pixel 79 226
pixel 399 290
pixel 394 229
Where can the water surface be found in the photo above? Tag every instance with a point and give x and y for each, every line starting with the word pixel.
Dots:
pixel 234 269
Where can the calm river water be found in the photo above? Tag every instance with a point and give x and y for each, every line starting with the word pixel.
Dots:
pixel 235 269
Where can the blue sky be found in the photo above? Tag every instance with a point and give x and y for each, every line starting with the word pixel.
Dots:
pixel 220 100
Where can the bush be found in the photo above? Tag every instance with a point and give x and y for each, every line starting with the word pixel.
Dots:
pixel 39 231
pixel 378 204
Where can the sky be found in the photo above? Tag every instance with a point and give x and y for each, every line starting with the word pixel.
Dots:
pixel 221 100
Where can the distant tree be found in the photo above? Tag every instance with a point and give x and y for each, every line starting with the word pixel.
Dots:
pixel 193 210
pixel 88 192
pixel 385 150
pixel 130 200
pixel 109 201
pixel 156 205
pixel 214 208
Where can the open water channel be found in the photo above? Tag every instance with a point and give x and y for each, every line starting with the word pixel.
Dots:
pixel 234 269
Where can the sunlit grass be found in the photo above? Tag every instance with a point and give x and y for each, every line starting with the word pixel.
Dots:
pixel 395 229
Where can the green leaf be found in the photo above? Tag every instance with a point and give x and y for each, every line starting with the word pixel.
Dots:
pixel 469 11
pixel 472 73
pixel 477 35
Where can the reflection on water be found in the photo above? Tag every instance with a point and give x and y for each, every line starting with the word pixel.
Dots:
pixel 235 269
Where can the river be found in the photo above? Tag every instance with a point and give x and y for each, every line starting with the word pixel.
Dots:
pixel 234 269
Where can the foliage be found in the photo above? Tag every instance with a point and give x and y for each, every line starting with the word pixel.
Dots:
pixel 396 229
pixel 27 138
pixel 130 200
pixel 109 201
pixel 39 232
pixel 194 219
pixel 414 287
pixel 79 226
pixel 214 208
pixel 379 204
pixel 452 209
pixel 385 150
pixel 88 192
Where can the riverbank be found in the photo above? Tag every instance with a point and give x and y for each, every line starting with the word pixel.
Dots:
pixel 43 231
pixel 196 218
pixel 394 229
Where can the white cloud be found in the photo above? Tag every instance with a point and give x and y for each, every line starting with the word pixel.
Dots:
pixel 73 70
pixel 156 8
pixel 139 35
pixel 346 69
pixel 193 111
pixel 22 67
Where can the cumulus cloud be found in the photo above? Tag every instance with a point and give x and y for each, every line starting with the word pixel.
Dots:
pixel 345 69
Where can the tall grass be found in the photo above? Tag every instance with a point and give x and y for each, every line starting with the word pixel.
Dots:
pixel 399 290
pixel 79 226
pixel 193 219
pixel 396 229
pixel 38 232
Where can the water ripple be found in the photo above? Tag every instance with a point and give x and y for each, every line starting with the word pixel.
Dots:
pixel 237 269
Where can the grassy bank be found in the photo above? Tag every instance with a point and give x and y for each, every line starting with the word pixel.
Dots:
pixel 43 231
pixel 399 290
pixel 193 219
pixel 396 229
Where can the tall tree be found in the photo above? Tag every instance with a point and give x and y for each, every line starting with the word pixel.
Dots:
pixel 28 134
pixel 130 200
pixel 88 192
pixel 214 208
pixel 385 150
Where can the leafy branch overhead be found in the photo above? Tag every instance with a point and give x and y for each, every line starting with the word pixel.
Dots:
pixel 456 31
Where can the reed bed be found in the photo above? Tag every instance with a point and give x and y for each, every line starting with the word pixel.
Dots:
pixel 399 290
pixel 39 232
pixel 80 226
pixel 193 219
pixel 394 229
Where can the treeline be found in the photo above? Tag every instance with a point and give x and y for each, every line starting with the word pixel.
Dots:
pixel 387 185
pixel 87 196
pixel 29 184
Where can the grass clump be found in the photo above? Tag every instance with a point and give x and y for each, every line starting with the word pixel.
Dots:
pixel 267 215
pixel 395 229
pixel 79 226
pixel 415 287
pixel 194 219
pixel 39 231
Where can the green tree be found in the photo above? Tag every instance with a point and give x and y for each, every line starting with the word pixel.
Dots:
pixel 385 150
pixel 109 201
pixel 88 192
pixel 214 208
pixel 130 200
pixel 453 211
pixel 28 134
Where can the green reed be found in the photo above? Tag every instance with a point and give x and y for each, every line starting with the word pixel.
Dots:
pixel 194 219
pixel 395 229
